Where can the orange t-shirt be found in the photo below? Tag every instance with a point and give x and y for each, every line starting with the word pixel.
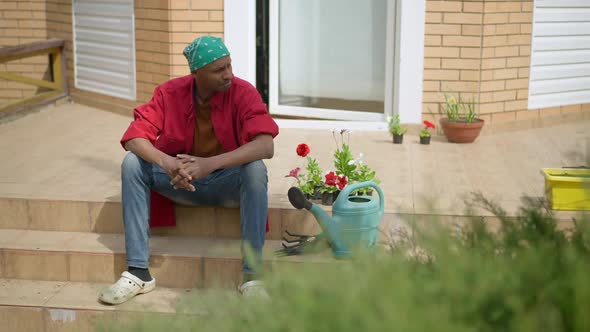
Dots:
pixel 205 143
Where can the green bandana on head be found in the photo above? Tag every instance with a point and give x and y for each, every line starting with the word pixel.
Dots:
pixel 204 50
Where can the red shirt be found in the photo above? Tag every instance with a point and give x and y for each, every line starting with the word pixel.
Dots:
pixel 168 121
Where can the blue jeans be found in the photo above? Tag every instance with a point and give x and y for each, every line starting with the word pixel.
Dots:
pixel 242 186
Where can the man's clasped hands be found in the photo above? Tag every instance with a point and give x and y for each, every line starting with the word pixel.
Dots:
pixel 185 169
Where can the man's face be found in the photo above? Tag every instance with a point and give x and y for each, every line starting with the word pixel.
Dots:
pixel 215 76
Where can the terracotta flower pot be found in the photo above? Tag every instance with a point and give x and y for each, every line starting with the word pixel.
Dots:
pixel 461 131
pixel 398 139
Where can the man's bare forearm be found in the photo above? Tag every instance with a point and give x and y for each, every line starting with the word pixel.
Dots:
pixel 146 151
pixel 261 147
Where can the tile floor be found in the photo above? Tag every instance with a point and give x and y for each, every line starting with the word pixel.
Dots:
pixel 72 152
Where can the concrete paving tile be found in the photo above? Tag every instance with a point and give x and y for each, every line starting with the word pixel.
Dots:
pixel 59 215
pixel 21 319
pixel 76 295
pixel 34 240
pixel 222 273
pixel 95 267
pixel 177 272
pixel 35 265
pixel 402 204
pixel 89 165
pixel 95 243
pixel 14 213
pixel 192 221
pixel 10 237
pixel 28 293
pixel 227 223
pixel 66 320
pixel 106 217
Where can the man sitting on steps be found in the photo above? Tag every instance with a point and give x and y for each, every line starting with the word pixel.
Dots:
pixel 199 141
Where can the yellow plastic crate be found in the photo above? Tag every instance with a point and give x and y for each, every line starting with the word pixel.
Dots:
pixel 567 188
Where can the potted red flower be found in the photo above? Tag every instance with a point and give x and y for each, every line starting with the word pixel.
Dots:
pixel 333 185
pixel 310 183
pixel 425 132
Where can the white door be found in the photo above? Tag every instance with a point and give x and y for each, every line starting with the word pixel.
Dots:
pixel 332 59
pixel 104 47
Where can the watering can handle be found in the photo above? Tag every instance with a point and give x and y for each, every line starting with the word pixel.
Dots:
pixel 350 188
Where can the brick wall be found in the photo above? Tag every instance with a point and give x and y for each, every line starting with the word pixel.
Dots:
pixel 452 52
pixel 162 30
pixel 506 58
pixel 152 48
pixel 190 19
pixel 22 22
pixel 481 50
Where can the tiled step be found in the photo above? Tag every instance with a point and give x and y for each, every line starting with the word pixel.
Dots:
pixel 106 217
pixel 30 305
pixel 178 262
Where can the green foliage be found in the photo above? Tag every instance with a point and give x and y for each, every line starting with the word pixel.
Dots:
pixel 451 108
pixel 528 276
pixel 342 161
pixel 458 110
pixel 329 189
pixel 424 132
pixel 307 188
pixel 363 173
pixel 469 111
pixel 314 172
pixel 313 178
pixel 395 127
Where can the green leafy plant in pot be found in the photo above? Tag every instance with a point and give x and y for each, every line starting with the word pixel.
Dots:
pixel 461 123
pixel 396 129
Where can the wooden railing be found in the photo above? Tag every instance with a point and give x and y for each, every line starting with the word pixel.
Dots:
pixel 58 82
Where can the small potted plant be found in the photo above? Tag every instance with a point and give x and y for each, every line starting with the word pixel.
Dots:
pixel 396 129
pixel 314 179
pixel 425 132
pixel 461 124
pixel 310 183
pixel 362 173
pixel 333 185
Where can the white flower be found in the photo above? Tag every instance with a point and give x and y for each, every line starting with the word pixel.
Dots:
pixel 357 161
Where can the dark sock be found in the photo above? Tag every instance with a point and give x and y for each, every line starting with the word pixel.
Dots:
pixel 249 277
pixel 143 274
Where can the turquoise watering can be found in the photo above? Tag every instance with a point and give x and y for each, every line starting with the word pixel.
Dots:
pixel 354 221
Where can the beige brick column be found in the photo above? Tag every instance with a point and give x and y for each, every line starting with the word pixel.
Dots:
pixel 190 19
pixel 452 54
pixel 505 59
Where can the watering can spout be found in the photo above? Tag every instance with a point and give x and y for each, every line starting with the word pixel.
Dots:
pixel 328 225
pixel 298 200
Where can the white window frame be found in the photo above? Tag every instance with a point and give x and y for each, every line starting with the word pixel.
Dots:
pixel 405 97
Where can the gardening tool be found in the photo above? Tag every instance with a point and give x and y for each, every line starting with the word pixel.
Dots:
pixel 354 219
pixel 302 244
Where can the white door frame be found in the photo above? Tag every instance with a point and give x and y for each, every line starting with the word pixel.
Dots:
pixel 408 62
